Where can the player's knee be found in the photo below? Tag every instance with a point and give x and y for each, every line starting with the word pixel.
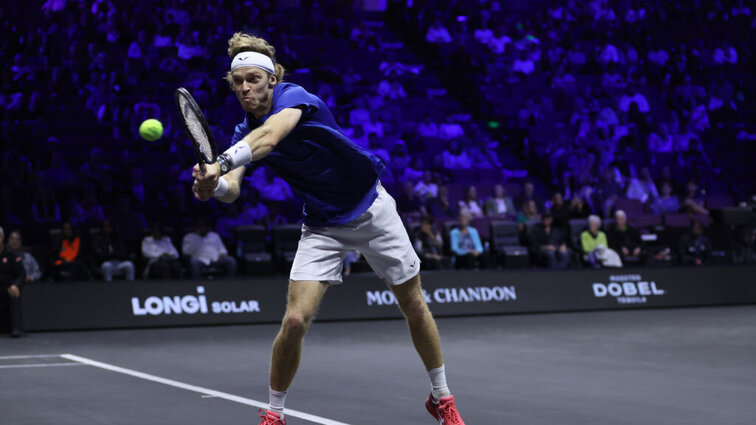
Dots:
pixel 296 324
pixel 414 305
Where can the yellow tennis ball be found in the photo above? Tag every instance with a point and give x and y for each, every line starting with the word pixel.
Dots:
pixel 151 130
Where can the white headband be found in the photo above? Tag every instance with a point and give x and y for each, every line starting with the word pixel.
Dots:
pixel 255 59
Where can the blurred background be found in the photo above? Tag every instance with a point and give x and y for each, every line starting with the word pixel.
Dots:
pixel 519 119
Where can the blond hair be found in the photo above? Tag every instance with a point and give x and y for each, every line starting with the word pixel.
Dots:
pixel 241 42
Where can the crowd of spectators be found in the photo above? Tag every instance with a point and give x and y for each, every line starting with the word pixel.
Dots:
pixel 608 115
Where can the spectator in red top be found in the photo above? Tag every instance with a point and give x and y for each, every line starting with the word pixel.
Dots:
pixel 68 261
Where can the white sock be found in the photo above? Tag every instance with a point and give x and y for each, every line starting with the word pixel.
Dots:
pixel 438 383
pixel 277 400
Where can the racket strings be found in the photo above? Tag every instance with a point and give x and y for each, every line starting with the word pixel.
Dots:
pixel 195 127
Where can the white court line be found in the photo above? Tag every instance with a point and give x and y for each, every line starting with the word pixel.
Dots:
pixel 196 389
pixel 16 366
pixel 30 356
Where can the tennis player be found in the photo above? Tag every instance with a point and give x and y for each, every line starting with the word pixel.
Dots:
pixel 345 208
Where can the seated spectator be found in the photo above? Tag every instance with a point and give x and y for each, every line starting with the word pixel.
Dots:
pixel 440 205
pixel 524 64
pixel 162 257
pixel 274 188
pixel 579 209
pixel 694 200
pixel 642 189
pixel 610 191
pixel 661 141
pixel 391 88
pixel 469 203
pixel 12 277
pixel 450 130
pixel 110 254
pixel 408 202
pixel 31 267
pixel 456 158
pixel 623 239
pixel 500 205
pixel 529 213
pixel 68 259
pixel 377 148
pixel 426 189
pixel 466 245
pixel 255 211
pixel 45 208
pixel 206 250
pixel 430 246
pixel 359 115
pixel 695 247
pixel 437 34
pixel 745 247
pixel 528 194
pixel 559 210
pixel 427 128
pixel 595 246
pixel 548 242
pixel 400 159
pixel 667 203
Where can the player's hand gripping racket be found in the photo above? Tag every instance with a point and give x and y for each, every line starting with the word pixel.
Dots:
pixel 196 128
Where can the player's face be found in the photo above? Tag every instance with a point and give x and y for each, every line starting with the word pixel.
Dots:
pixel 254 89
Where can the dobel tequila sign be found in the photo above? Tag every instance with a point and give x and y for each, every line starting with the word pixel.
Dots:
pixel 627 289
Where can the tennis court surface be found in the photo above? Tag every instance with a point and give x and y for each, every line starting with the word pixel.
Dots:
pixel 674 366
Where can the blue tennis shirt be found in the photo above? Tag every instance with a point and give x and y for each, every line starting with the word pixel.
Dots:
pixel 336 178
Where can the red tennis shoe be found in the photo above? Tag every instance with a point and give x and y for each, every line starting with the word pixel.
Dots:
pixel 270 418
pixel 444 410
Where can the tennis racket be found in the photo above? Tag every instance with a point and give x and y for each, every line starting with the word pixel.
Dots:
pixel 196 128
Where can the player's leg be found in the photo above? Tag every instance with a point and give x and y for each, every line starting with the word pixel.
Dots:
pixel 421 324
pixel 303 301
pixel 388 250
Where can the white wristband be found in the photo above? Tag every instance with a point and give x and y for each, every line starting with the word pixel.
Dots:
pixel 221 189
pixel 240 154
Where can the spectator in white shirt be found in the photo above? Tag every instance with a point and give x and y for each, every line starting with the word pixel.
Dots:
pixel 426 189
pixel 161 255
pixel 206 250
pixel 500 205
pixel 427 128
pixel 470 203
pixel 437 34
pixel 455 158
pixel 450 130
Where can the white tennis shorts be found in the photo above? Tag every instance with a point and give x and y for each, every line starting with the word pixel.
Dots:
pixel 378 234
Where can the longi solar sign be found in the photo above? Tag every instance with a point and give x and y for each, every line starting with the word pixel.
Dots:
pixel 190 304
